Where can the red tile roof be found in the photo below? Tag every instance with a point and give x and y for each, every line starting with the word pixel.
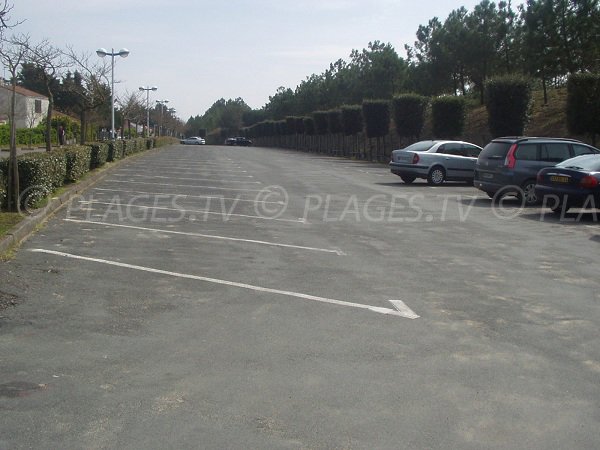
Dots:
pixel 23 91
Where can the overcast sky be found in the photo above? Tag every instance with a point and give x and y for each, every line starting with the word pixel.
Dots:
pixel 197 51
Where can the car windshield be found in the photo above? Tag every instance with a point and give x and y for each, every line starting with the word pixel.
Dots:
pixel 588 163
pixel 495 150
pixel 421 146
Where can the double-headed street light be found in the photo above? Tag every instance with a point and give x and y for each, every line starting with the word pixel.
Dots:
pixel 123 53
pixel 162 104
pixel 148 89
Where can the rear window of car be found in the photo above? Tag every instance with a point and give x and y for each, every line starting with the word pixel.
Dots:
pixel 589 163
pixel 495 150
pixel 421 146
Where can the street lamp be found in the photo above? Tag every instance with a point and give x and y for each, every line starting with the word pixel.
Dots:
pixel 123 53
pixel 162 104
pixel 148 89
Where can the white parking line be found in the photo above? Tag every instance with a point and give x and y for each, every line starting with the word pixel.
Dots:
pixel 163 177
pixel 185 185
pixel 227 173
pixel 192 211
pixel 209 236
pixel 184 196
pixel 377 309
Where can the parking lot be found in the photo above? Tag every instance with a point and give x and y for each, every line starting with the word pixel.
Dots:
pixel 234 297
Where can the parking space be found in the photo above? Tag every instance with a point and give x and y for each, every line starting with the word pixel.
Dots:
pixel 250 297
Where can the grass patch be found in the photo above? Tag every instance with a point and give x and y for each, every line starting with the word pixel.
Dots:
pixel 8 220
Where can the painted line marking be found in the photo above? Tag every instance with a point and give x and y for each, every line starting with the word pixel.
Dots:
pixel 210 180
pixel 404 310
pixel 377 309
pixel 226 173
pixel 185 185
pixel 209 236
pixel 280 202
pixel 198 211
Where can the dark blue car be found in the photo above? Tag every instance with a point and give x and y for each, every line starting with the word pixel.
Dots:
pixel 572 183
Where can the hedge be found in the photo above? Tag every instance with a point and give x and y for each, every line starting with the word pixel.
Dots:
pixel 352 119
pixel 409 114
pixel 448 117
pixel 99 155
pixel 41 173
pixel 2 187
pixel 583 104
pixel 78 159
pixel 115 150
pixel 507 103
pixel 376 114
pixel 321 119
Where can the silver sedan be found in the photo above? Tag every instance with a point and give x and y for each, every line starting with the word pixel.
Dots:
pixel 193 140
pixel 436 161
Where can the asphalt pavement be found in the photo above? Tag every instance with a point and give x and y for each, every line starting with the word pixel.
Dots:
pixel 231 297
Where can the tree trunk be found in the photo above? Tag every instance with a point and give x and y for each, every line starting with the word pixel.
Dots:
pixel 13 167
pixel 49 122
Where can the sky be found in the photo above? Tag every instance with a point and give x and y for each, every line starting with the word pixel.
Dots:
pixel 198 51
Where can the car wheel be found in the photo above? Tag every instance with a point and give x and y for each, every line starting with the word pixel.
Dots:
pixel 436 176
pixel 527 194
pixel 408 179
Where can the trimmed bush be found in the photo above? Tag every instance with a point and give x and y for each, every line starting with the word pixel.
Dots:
pixel 3 187
pixel 334 118
pixel 40 174
pixel 290 124
pixel 376 114
pixel 115 150
pixel 99 155
pixel 352 119
pixel 409 114
pixel 508 100
pixel 78 161
pixel 321 119
pixel 149 143
pixel 300 125
pixel 448 117
pixel 309 126
pixel 583 104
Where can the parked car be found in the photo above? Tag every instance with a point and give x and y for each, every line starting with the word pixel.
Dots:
pixel 239 140
pixel 571 183
pixel 509 165
pixel 435 161
pixel 193 140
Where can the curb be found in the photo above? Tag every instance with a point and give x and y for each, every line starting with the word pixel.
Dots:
pixel 29 224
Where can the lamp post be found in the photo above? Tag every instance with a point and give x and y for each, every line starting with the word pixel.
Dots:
pixel 123 53
pixel 148 89
pixel 162 104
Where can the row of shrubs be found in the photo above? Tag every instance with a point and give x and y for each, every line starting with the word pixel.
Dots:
pixel 42 173
pixel 507 101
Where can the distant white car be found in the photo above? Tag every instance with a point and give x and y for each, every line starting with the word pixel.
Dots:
pixel 193 140
pixel 436 161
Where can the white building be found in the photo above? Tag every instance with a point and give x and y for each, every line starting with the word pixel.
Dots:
pixel 31 107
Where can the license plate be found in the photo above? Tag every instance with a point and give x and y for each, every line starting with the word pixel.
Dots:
pixel 559 179
pixel 487 175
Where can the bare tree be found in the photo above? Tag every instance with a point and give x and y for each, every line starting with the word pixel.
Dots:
pixel 91 85
pixel 49 60
pixel 13 52
pixel 5 19
pixel 131 108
